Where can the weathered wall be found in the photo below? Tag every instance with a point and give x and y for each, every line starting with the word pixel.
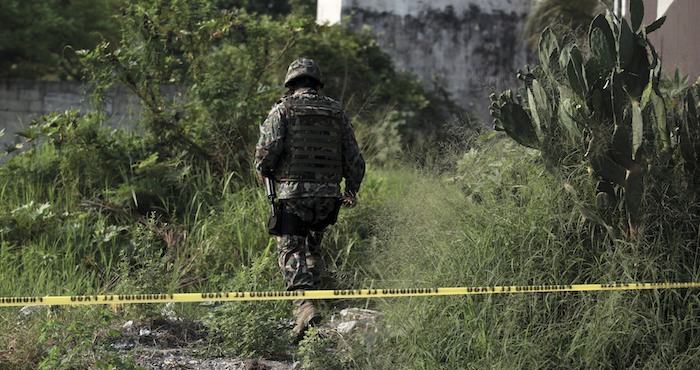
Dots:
pixel 471 47
pixel 23 101
pixel 675 40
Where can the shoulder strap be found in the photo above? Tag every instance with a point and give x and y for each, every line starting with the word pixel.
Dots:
pixel 287 107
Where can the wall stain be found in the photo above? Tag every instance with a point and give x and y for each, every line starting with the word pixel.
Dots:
pixel 471 53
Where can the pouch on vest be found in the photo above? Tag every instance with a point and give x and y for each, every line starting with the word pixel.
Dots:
pixel 274 224
pixel 331 219
pixel 282 222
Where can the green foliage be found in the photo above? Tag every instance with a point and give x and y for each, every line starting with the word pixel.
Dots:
pixel 276 8
pixel 316 352
pixel 170 205
pixel 144 266
pixel 65 345
pixel 78 151
pixel 251 328
pixel 505 220
pixel 203 51
pixel 194 145
pixel 230 234
pixel 59 339
pixel 229 66
pixel 567 19
pixel 41 37
pixel 42 243
pixel 608 110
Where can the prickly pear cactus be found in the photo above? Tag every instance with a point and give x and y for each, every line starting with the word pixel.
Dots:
pixel 605 108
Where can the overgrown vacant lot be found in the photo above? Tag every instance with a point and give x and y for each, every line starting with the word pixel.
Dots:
pixel 595 180
pixel 497 218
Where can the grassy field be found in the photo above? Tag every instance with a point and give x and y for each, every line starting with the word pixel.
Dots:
pixel 499 218
pixel 492 215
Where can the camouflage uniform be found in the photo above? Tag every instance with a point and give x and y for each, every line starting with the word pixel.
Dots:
pixel 312 201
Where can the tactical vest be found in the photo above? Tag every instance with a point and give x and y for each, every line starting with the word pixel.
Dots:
pixel 313 140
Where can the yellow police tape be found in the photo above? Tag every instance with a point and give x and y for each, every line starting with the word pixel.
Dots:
pixel 327 294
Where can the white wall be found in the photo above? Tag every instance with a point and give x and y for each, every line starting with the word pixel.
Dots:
pixel 329 11
pixel 662 7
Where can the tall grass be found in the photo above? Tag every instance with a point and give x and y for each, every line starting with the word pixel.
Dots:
pixel 503 220
pixel 140 226
pixel 61 235
pixel 497 217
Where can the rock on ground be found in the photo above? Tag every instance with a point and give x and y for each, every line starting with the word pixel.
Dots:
pixel 168 344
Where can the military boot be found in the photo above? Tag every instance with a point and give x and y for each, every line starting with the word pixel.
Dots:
pixel 306 316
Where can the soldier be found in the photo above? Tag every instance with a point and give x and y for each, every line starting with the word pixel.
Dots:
pixel 308 146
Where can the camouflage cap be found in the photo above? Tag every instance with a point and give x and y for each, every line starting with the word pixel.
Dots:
pixel 303 67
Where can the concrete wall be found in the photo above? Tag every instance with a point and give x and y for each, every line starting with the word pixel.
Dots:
pixel 470 47
pixel 21 102
pixel 675 40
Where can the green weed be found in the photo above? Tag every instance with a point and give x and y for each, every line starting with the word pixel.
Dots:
pixel 319 352
pixel 259 328
pixel 504 220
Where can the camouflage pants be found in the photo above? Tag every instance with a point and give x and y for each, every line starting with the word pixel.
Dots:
pixel 299 257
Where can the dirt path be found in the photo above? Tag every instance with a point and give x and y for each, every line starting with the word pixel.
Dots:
pixel 176 359
pixel 173 344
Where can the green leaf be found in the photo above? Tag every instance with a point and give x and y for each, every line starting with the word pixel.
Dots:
pixel 540 96
pixel 570 117
pixel 636 13
pixel 539 108
pixel 637 129
pixel 514 120
pixel 150 161
pixel 607 169
pixel 534 113
pixel 594 72
pixel 626 45
pixel 655 25
pixel 621 146
pixel 690 131
pixel 565 55
pixel 646 95
pixel 657 115
pixel 576 73
pixel 619 97
pixel 602 43
pixel 548 47
pixel 655 61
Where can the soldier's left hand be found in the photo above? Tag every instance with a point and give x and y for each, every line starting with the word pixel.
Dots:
pixel 349 201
